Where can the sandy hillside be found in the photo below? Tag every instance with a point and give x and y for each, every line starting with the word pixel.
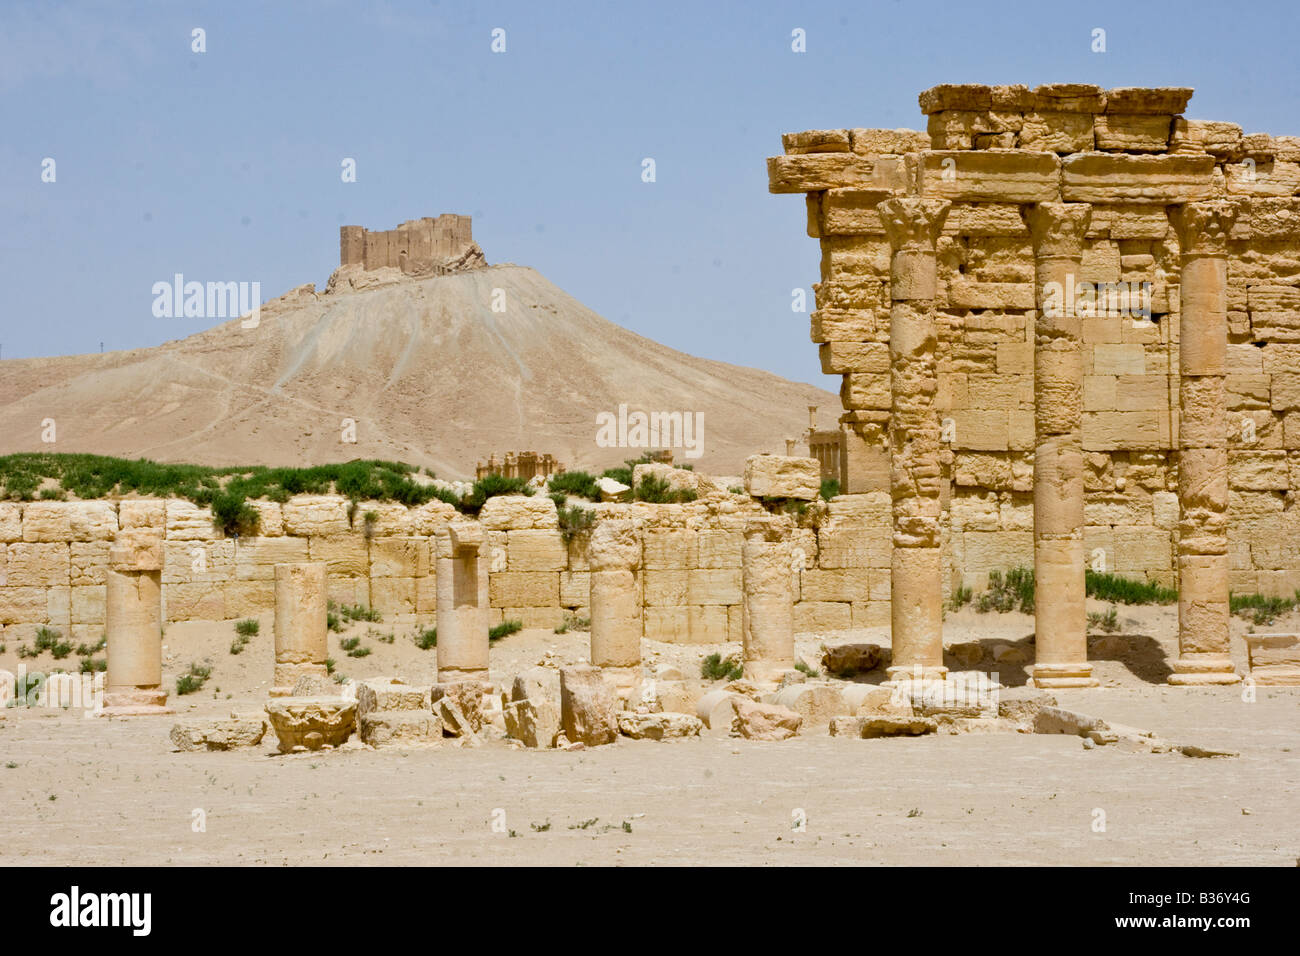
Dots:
pixel 429 372
pixel 78 790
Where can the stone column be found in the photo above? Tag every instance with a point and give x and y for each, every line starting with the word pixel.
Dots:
pixel 916 605
pixel 133 624
pixel 301 628
pixel 1060 615
pixel 614 555
pixel 768 583
pixel 462 583
pixel 1203 658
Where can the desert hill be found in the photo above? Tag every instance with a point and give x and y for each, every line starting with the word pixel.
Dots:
pixel 428 371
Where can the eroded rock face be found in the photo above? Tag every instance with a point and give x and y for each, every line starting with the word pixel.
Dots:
pixel 660 726
pixel 755 721
pixel 310 723
pixel 222 733
pixel 588 707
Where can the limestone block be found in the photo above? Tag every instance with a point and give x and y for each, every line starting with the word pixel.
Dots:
pixel 611 490
pixel 822 616
pixel 1274 658
pixel 400 557
pixel 38 565
pixel 255 558
pixel 1133 132
pixel 310 723
pixel 63 521
pixel 888 141
pixel 658 726
pixel 1057 131
pixel 186 521
pixel 344 555
pixel 430 518
pixel 755 721
pixel 955 96
pixel 669 549
pixel 984 176
pixel 779 476
pixel 220 733
pixel 89 604
pixel 588 708
pixel 532 713
pixel 851 212
pixel 1070 97
pixel 816 141
pixel 817 702
pixel 400 728
pixel 835 584
pixel 713 586
pixel 709 624
pixel 808 172
pixel 142 513
pixel 524 589
pixel 459 704
pixel 518 513
pixel 1168 100
pixel 963 293
pixel 316 515
pixel 1123 178
pixel 390 693
pixel 270 518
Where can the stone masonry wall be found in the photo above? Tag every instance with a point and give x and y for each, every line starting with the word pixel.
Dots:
pixel 993 151
pixel 414 246
pixel 54 557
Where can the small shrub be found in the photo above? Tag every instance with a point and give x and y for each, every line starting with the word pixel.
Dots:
pixel 1115 589
pixel 330 664
pixel 573 622
pixel 657 491
pixel 359 612
pixel 716 667
pixel 961 596
pixel 427 639
pixel 1013 592
pixel 359 652
pixel 193 679
pixel 489 486
pixel 233 516
pixel 575 520
pixel 1259 609
pixel 803 667
pixel 504 628
pixel 350 644
pixel 830 488
pixel 1107 621
pixel 575 483
pixel 247 627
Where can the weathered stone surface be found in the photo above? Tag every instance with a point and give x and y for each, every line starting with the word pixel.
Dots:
pixel 779 476
pixel 401 728
pixel 801 173
pixel 985 176
pixel 755 721
pixel 460 706
pixel 845 660
pixel 220 733
pixel 658 726
pixel 1274 658
pixel 310 723
pixel 532 712
pixel 817 702
pixel 588 707
pixel 390 693
pixel 1123 178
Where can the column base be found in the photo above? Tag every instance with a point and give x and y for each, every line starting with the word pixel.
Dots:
pixel 1059 676
pixel 622 678
pixel 914 673
pixel 1201 671
pixel 137 702
pixel 766 673
pixel 455 675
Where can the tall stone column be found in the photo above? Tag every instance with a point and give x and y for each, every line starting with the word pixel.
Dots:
pixel 1060 616
pixel 916 586
pixel 133 625
pixel 301 625
pixel 462 613
pixel 1203 657
pixel 614 554
pixel 767 580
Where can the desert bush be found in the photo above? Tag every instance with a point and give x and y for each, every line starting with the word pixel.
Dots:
pixel 503 629
pixel 193 679
pixel 1121 590
pixel 717 667
pixel 1260 609
pixel 575 483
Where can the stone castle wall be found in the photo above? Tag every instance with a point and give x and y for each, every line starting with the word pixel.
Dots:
pixel 994 152
pixel 54 560
pixel 416 246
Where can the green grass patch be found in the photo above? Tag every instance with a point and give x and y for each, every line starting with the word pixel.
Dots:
pixel 1120 590
pixel 427 639
pixel 1259 609
pixel 1107 621
pixel 573 622
pixel 359 612
pixel 575 483
pixel 1013 591
pixel 830 488
pixel 193 679
pixel 503 629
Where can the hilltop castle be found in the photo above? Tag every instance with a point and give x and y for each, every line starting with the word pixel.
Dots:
pixel 417 247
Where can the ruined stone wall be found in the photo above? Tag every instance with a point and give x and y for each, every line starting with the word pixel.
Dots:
pixel 416 246
pixel 54 561
pixel 995 152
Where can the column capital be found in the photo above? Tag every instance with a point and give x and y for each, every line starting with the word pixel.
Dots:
pixel 911 223
pixel 1057 228
pixel 1203 227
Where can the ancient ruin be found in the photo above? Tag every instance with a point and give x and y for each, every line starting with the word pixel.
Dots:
pixel 525 465
pixel 418 247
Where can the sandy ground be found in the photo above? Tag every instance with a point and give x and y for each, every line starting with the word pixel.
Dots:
pixel 92 791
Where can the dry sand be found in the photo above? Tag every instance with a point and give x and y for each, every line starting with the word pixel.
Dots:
pixel 91 791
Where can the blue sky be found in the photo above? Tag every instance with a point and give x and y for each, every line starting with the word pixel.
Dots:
pixel 225 165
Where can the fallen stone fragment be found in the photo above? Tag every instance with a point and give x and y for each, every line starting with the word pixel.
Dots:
pixel 310 723
pixel 532 712
pixel 460 705
pixel 755 721
pixel 817 702
pixel 390 693
pixel 400 728
pixel 885 725
pixel 588 708
pixel 658 726
pixel 848 659
pixel 220 733
pixel 717 708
